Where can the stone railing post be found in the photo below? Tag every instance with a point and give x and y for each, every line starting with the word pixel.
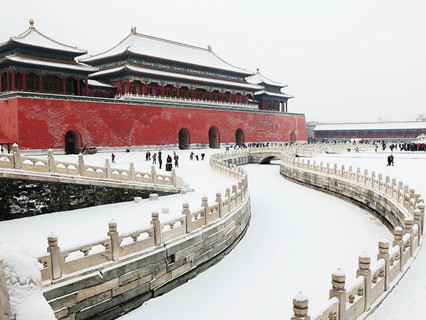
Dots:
pixel 418 221
pixel 342 173
pixel 16 157
pixel 55 256
pixel 408 228
pixel 5 312
pixel 335 169
pixel 387 181
pixel 50 161
pixel 338 279
pixel 400 192
pixel 380 182
pixel 300 307
pixel 328 168
pixel 384 254
pixel 174 177
pixel 373 177
pixel 107 169
pixel 188 219
pixel 358 172
pixel 421 207
pixel 397 233
pixel 156 228
pixel 205 206
pixel 115 240
pixel 153 175
pixel 228 198
pixel 350 173
pixel 219 202
pixel 365 271
pixel 81 168
pixel 365 176
pixel 132 171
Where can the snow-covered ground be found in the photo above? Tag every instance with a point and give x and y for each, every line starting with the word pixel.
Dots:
pixel 296 239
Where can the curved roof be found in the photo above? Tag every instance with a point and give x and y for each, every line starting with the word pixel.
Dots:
pixel 141 44
pixel 33 37
pixel 259 78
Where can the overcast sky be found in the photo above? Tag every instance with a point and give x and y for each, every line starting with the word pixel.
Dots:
pixel 344 61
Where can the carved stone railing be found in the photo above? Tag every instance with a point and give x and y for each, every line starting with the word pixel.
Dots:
pixel 399 207
pixel 17 161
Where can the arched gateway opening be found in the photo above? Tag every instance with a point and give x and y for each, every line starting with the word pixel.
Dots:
pixel 292 137
pixel 184 141
pixel 214 141
pixel 72 142
pixel 239 137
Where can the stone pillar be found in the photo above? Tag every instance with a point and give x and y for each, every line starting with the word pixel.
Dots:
pixel 384 254
pixel 173 177
pixel 188 218
pixel 205 206
pixel 400 192
pixel 219 203
pixel 300 307
pixel 228 198
pixel 81 165
pixel 338 290
pixel 115 240
pixel 16 157
pixel 421 207
pixel 397 233
pixel 132 171
pixel 56 258
pixel 358 172
pixel 50 160
pixel 364 270
pixel 373 176
pixel 107 169
pixel 342 173
pixel 365 176
pixel 156 228
pixel 5 312
pixel 153 175
pixel 350 173
pixel 408 228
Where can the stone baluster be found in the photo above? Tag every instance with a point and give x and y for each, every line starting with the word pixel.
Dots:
pixel 342 171
pixel 358 172
pixel 228 198
pixel 16 157
pixel 81 168
pixel 315 165
pixel 115 240
pixel 153 175
pixel 300 307
pixel 234 193
pixel 397 233
pixel 365 271
pixel 387 182
pixel 380 182
pixel 56 259
pixel 393 188
pixel 5 312
pixel 240 188
pixel 384 254
pixel 205 206
pixel 418 221
pixel 174 177
pixel 335 169
pixel 50 161
pixel 188 218
pixel 107 169
pixel 400 192
pixel 132 171
pixel 408 228
pixel 373 177
pixel 350 173
pixel 338 279
pixel 365 176
pixel 421 207
pixel 219 203
pixel 157 234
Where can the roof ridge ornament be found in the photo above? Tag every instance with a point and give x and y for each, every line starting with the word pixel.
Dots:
pixel 31 21
pixel 133 30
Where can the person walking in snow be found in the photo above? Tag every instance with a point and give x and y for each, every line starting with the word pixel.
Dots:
pixel 176 160
pixel 154 158
pixel 112 158
pixel 191 155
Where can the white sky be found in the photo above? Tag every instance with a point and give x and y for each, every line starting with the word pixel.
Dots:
pixel 342 60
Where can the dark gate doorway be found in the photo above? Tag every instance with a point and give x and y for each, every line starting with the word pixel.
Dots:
pixel 239 137
pixel 292 137
pixel 72 142
pixel 214 141
pixel 184 140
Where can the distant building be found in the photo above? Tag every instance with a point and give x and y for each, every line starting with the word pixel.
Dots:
pixel 143 91
pixel 401 130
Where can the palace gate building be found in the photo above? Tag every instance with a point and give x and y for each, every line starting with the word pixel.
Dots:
pixel 143 91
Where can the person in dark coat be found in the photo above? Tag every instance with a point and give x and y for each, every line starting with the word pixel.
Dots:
pixel 176 160
pixel 112 158
pixel 202 156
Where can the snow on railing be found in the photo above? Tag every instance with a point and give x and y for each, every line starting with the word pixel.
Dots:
pixel 91 256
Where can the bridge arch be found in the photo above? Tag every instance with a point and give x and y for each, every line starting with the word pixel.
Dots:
pixel 214 138
pixel 72 142
pixel 184 138
pixel 268 159
pixel 239 137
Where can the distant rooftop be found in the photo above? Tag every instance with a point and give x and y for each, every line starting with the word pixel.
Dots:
pixel 397 125
pixel 259 78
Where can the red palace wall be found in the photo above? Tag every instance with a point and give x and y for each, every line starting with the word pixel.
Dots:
pixel 43 124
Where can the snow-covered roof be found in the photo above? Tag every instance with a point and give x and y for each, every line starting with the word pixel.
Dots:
pixel 274 94
pixel 398 125
pixel 33 37
pixel 259 78
pixel 96 83
pixel 49 63
pixel 141 44
pixel 176 76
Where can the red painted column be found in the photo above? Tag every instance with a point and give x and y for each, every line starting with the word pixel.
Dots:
pixel 233 97
pixel 192 94
pixel 146 88
pixel 210 95
pixel 78 86
pixel 222 96
pixel 162 90
pixel 177 91
pixel 8 81
pixel 13 81
pixel 40 80
pixel 1 82
pixel 128 86
pixel 24 82
pixel 87 87
pixel 63 85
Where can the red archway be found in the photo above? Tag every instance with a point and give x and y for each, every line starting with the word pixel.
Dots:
pixel 72 142
pixel 214 139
